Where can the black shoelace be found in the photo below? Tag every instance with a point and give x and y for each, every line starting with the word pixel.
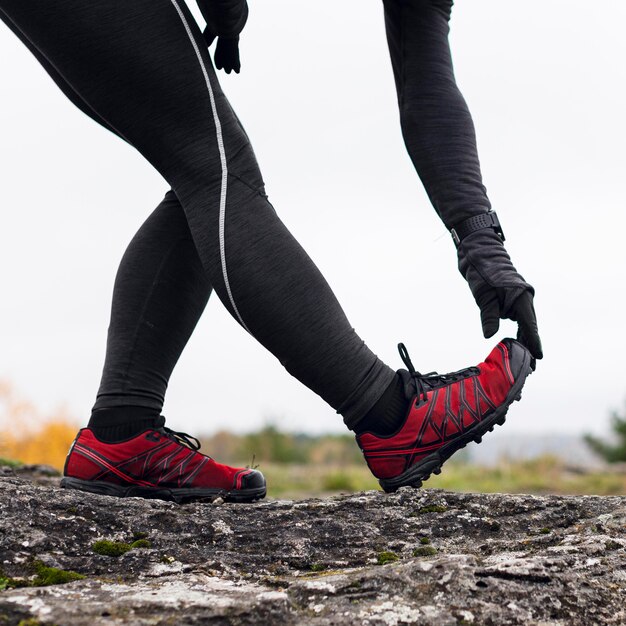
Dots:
pixel 179 437
pixel 424 382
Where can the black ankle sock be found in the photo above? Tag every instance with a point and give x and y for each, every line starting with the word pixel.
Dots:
pixel 387 415
pixel 121 422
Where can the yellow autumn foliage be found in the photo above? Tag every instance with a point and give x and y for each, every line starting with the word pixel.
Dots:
pixel 29 436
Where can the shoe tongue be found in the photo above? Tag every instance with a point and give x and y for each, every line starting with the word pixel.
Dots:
pixel 408 382
pixel 410 389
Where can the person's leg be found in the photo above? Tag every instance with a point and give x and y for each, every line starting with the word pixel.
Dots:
pixel 160 293
pixel 135 68
pixel 447 412
pixel 436 124
pixel 143 68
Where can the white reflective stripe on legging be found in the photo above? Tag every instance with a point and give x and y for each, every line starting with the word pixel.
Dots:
pixel 222 151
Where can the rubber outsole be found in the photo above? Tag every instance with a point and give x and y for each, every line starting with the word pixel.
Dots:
pixel 421 471
pixel 178 495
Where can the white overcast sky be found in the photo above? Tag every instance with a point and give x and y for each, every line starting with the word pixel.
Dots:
pixel 546 82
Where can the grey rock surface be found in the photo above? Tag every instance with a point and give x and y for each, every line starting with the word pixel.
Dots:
pixel 448 558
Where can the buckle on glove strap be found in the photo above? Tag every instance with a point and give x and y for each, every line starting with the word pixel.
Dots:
pixel 474 223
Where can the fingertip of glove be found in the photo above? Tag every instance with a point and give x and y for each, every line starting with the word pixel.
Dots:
pixel 533 347
pixel 490 329
pixel 532 343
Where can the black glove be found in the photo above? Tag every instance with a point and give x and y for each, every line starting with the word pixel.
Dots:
pixel 227 55
pixel 225 18
pixel 226 52
pixel 498 289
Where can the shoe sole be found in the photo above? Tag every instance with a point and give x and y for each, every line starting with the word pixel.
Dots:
pixel 178 495
pixel 420 472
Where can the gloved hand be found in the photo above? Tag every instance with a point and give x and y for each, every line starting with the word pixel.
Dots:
pixel 227 55
pixel 226 52
pixel 499 291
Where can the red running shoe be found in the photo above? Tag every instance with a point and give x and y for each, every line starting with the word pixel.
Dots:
pixel 158 463
pixel 447 412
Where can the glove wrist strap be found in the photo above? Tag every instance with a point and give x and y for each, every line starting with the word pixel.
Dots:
pixel 474 223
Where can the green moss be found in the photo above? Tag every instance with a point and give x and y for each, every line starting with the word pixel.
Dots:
pixel 386 557
pixel 45 576
pixel 117 548
pixel 318 567
pixel 72 510
pixel 6 582
pixel 9 462
pixel 433 508
pixel 31 621
pixel 111 548
pixel 139 535
pixel 425 551
pixel 612 545
pixel 545 531
pixel 53 576
pixel 324 573
pixel 425 541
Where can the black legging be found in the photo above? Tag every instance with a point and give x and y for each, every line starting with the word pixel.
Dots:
pixel 142 70
pixel 153 317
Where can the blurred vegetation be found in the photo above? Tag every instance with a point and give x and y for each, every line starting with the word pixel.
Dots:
pixel 299 465
pixel 542 475
pixel 270 445
pixel 30 436
pixel 612 453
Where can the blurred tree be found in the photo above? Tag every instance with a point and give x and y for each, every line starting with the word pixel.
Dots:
pixel 14 410
pixel 30 437
pixel 271 445
pixel 612 453
pixel 225 446
pixel 336 450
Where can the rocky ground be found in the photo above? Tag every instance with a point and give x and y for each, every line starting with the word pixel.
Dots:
pixel 415 557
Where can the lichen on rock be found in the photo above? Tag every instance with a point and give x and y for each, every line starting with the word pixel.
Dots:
pixel 414 557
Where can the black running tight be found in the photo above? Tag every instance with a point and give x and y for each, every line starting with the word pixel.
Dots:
pixel 153 316
pixel 141 69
